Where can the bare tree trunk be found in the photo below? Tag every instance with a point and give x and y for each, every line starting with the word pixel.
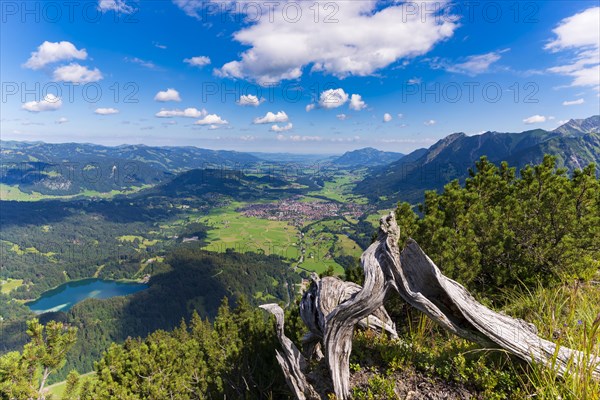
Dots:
pixel 332 308
pixel 292 362
pixel 45 376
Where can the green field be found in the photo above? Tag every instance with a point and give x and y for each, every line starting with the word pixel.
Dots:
pixel 340 189
pixel 13 193
pixel 143 243
pixel 9 285
pixel 321 242
pixel 325 240
pixel 230 229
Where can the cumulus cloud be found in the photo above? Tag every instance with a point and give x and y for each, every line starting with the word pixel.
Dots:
pixel 188 112
pixel 277 128
pixel 61 120
pixel 333 98
pixel 534 119
pixel 250 100
pixel 76 73
pixel 365 38
pixel 271 118
pixel 211 119
pixel 387 117
pixel 341 117
pixel 48 103
pixel 52 52
pixel 199 61
pixel 430 122
pixel 579 34
pixel 167 95
pixel 118 6
pixel 106 111
pixel 357 103
pixel 573 103
pixel 414 81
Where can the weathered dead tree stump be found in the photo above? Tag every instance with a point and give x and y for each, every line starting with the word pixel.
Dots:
pixel 332 308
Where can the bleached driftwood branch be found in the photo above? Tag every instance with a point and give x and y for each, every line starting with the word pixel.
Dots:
pixel 292 362
pixel 332 308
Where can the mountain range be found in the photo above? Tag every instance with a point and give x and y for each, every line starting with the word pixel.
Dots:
pixel 367 157
pixel 575 145
pixel 72 168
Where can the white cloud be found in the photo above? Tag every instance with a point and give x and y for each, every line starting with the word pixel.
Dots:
pixel 199 61
pixel 400 115
pixel 357 103
pixel 188 112
pixel 345 139
pixel 414 81
pixel 106 111
pixel 271 118
pixel 118 6
pixel 167 95
pixel 476 64
pixel 310 107
pixel 61 120
pixel 76 73
pixel 51 52
pixel 577 31
pixel 387 117
pixel 250 100
pixel 158 45
pixel 333 98
pixel 211 119
pixel 430 122
pixel 143 63
pixel 298 138
pixel 342 117
pixel 534 119
pixel 573 103
pixel 365 37
pixel 49 103
pixel 579 34
pixel 277 128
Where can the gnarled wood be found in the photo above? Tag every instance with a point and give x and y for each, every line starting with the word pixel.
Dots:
pixel 325 294
pixel 292 362
pixel 332 308
pixel 470 319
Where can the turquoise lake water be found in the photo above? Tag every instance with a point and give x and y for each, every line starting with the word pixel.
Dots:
pixel 67 295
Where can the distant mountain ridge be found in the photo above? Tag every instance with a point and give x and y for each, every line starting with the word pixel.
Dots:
pixel 367 157
pixel 172 159
pixel 575 144
pixel 74 168
pixel 580 126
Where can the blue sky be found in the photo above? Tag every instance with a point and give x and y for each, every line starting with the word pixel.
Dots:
pixel 297 76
